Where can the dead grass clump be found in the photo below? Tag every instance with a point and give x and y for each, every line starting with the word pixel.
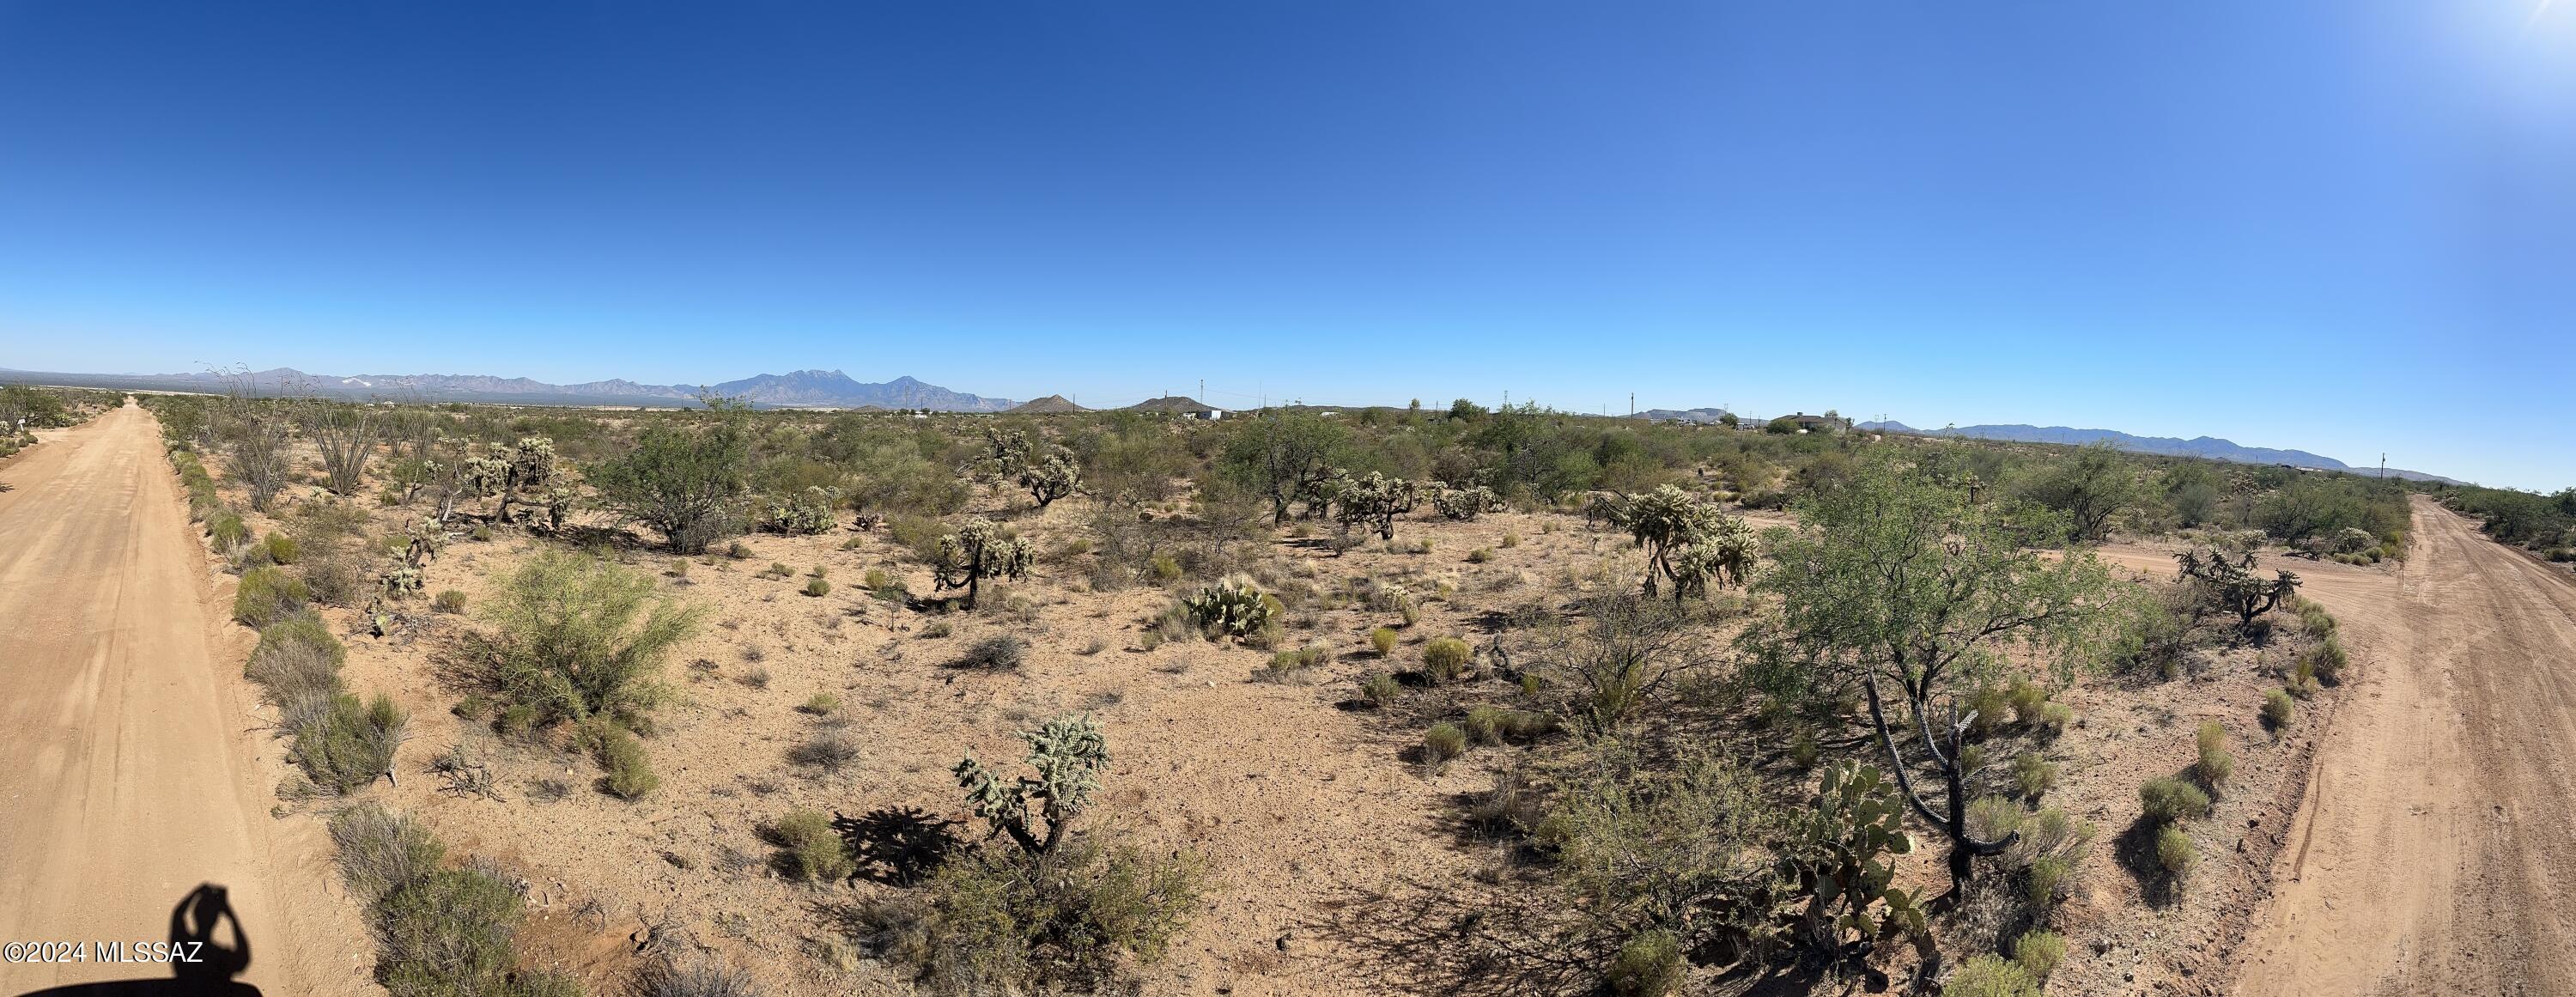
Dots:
pixel 830 752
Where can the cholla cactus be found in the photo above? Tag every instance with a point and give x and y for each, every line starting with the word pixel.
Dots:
pixel 558 502
pixel 1373 502
pixel 1052 478
pixel 2234 585
pixel 2353 540
pixel 1069 754
pixel 426 539
pixel 1838 853
pixel 809 511
pixel 1464 503
pixel 1688 540
pixel 977 551
pixel 488 474
pixel 1233 607
pixel 401 583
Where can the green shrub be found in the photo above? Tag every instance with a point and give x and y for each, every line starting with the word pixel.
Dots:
pixel 1446 658
pixel 629 773
pixel 1991 706
pixel 448 934
pixel 1383 639
pixel 821 704
pixel 1001 921
pixel 2056 717
pixel 1990 975
pixel 451 602
pixel 2166 799
pixel 2040 953
pixel 1480 555
pixel 267 595
pixel 2326 660
pixel 226 530
pixel 1991 818
pixel 351 743
pixel 280 548
pixel 2042 878
pixel 817 587
pixel 2277 708
pixel 1649 964
pixel 2174 851
pixel 380 852
pixel 810 849
pixel 2215 764
pixel 2027 699
pixel 1381 690
pixel 482 533
pixel 300 629
pixel 1484 724
pixel 2033 774
pixel 580 637
pixel 1443 742
pixel 1511 539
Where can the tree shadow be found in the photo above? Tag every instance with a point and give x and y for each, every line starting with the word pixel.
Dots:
pixel 897 846
pixel 201 964
pixel 1436 939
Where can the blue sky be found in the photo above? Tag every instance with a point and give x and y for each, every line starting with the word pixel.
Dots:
pixel 2347 227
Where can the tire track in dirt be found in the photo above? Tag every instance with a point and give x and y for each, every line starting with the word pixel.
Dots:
pixel 129 770
pixel 2435 854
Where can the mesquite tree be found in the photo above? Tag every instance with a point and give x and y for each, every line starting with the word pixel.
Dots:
pixel 1286 456
pixel 2234 585
pixel 1899 584
pixel 1068 755
pixel 1374 502
pixel 688 483
pixel 977 551
pixel 1688 540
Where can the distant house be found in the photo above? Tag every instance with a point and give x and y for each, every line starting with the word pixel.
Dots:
pixel 1179 405
pixel 1813 423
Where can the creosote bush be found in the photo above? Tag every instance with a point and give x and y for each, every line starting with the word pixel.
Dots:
pixel 2166 799
pixel 1443 742
pixel 2278 709
pixel 267 595
pixel 579 637
pixel 817 587
pixel 1446 658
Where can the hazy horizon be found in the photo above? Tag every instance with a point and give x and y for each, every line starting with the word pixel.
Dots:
pixel 2345 229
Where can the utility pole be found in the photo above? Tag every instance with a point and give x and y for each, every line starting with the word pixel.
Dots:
pixel 2383 464
pixel 1202 391
pixel 1632 404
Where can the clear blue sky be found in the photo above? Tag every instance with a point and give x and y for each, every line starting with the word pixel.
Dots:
pixel 2341 226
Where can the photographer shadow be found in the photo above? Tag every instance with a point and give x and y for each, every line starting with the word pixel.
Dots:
pixel 203 966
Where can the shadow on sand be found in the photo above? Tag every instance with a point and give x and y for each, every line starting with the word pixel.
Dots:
pixel 201 964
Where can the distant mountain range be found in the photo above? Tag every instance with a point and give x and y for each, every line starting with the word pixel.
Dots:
pixel 2207 447
pixel 798 389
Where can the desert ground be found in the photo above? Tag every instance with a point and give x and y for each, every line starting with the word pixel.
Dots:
pixel 2404 835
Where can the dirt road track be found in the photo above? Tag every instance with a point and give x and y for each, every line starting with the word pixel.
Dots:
pixel 2437 850
pixel 128 770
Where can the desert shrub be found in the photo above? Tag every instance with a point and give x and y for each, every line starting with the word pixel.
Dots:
pixel 1990 707
pixel 2215 764
pixel 1383 640
pixel 449 934
pixel 817 587
pixel 350 744
pixel 2033 774
pixel 2027 698
pixel 2277 708
pixel 696 978
pixel 1972 759
pixel 937 629
pixel 2326 660
pixel 1443 742
pixel 300 630
pixel 1484 724
pixel 829 751
pixel 1648 964
pixel 2040 953
pixel 380 851
pixel 1003 920
pixel 821 704
pixel 1480 555
pixel 1990 975
pixel 580 637
pixel 226 531
pixel 738 551
pixel 885 587
pixel 2166 799
pixel 1511 539
pixel 810 849
pixel 1991 818
pixel 687 482
pixel 2174 850
pixel 1381 690
pixel 2056 717
pixel 332 578
pixel 629 773
pixel 1446 658
pixel 267 595
pixel 482 533
pixel 450 601
pixel 1000 652
pixel 280 548
pixel 2314 619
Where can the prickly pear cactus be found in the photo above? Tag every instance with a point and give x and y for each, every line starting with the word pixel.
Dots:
pixel 1234 607
pixel 1464 503
pixel 1839 851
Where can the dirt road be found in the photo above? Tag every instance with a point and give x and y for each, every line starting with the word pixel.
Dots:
pixel 2437 850
pixel 128 772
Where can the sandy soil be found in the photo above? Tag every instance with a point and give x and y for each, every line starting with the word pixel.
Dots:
pixel 2434 855
pixel 129 770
